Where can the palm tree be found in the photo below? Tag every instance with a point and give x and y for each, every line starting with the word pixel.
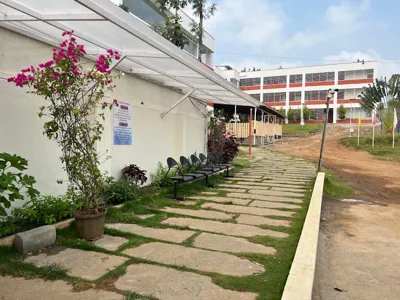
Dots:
pixel 203 12
pixel 383 97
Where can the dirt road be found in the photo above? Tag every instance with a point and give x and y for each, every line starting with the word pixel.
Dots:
pixel 359 244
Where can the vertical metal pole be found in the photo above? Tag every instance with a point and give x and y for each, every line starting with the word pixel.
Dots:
pixel 206 136
pixel 254 126
pixel 250 131
pixel 263 129
pixel 323 134
pixel 235 122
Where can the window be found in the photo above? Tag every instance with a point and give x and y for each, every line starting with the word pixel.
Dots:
pixel 356 74
pixel 274 97
pixel 144 11
pixel 255 96
pixel 274 80
pixel 320 77
pixel 315 95
pixel 234 81
pixel 294 96
pixel 340 95
pixel 298 78
pixel 250 82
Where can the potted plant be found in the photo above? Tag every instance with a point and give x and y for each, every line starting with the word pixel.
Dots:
pixel 74 112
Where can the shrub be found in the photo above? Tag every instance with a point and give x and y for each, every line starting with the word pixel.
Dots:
pixel 298 114
pixel 120 191
pixel 7 227
pixel 312 114
pixel 135 174
pixel 46 210
pixel 231 148
pixel 282 111
pixel 290 114
pixel 342 112
pixel 222 146
pixel 306 113
pixel 162 178
pixel 13 183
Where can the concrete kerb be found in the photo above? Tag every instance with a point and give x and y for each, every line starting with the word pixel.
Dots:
pixel 299 284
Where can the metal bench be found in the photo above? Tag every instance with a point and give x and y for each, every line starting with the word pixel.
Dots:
pixel 181 177
pixel 207 162
pixel 206 172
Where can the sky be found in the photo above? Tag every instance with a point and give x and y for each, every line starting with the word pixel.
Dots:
pixel 271 33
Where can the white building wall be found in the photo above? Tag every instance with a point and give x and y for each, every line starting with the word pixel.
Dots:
pixel 181 132
pixel 352 90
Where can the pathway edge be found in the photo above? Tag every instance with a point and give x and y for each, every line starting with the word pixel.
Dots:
pixel 299 284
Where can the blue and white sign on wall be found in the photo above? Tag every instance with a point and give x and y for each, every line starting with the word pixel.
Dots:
pixel 123 123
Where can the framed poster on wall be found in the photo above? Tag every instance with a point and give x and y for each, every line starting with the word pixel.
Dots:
pixel 123 123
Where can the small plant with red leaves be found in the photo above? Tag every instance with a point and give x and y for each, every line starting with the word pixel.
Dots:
pixel 73 97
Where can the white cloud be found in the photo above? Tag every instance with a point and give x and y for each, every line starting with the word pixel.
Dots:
pixel 352 56
pixel 340 21
pixel 250 22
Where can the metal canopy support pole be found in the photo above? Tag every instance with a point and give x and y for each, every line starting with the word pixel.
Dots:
pixel 263 129
pixel 274 129
pixel 235 130
pixel 197 108
pixel 177 103
pixel 254 126
pixel 250 130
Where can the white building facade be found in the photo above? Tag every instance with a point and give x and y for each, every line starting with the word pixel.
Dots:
pixel 149 13
pixel 308 86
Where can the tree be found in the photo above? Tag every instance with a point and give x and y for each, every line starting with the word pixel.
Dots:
pixel 282 111
pixel 342 112
pixel 203 12
pixel 172 29
pixel 306 113
pixel 383 97
pixel 290 114
pixel 312 114
pixel 381 94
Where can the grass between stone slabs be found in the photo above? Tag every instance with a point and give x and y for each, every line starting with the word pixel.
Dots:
pixel 383 146
pixel 269 285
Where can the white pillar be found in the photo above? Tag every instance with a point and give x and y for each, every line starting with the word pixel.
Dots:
pixel 335 98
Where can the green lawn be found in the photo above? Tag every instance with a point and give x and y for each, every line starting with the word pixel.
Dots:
pixel 296 128
pixel 334 188
pixel 383 146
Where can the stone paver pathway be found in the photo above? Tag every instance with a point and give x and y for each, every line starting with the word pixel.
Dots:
pixel 170 284
pixel 216 237
pixel 198 259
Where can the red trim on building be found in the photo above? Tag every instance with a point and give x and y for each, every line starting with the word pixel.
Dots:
pixel 274 86
pixel 344 101
pixel 210 104
pixel 294 102
pixel 356 81
pixel 275 103
pixel 295 85
pixel 250 88
pixel 314 102
pixel 354 121
pixel 320 83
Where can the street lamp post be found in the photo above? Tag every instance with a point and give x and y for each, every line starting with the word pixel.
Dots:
pixel 326 112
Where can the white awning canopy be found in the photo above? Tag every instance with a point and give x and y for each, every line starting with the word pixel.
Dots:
pixel 100 25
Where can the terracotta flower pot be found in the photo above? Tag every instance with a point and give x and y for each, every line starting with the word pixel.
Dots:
pixel 90 223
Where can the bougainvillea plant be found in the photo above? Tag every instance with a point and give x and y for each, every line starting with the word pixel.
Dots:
pixel 74 111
